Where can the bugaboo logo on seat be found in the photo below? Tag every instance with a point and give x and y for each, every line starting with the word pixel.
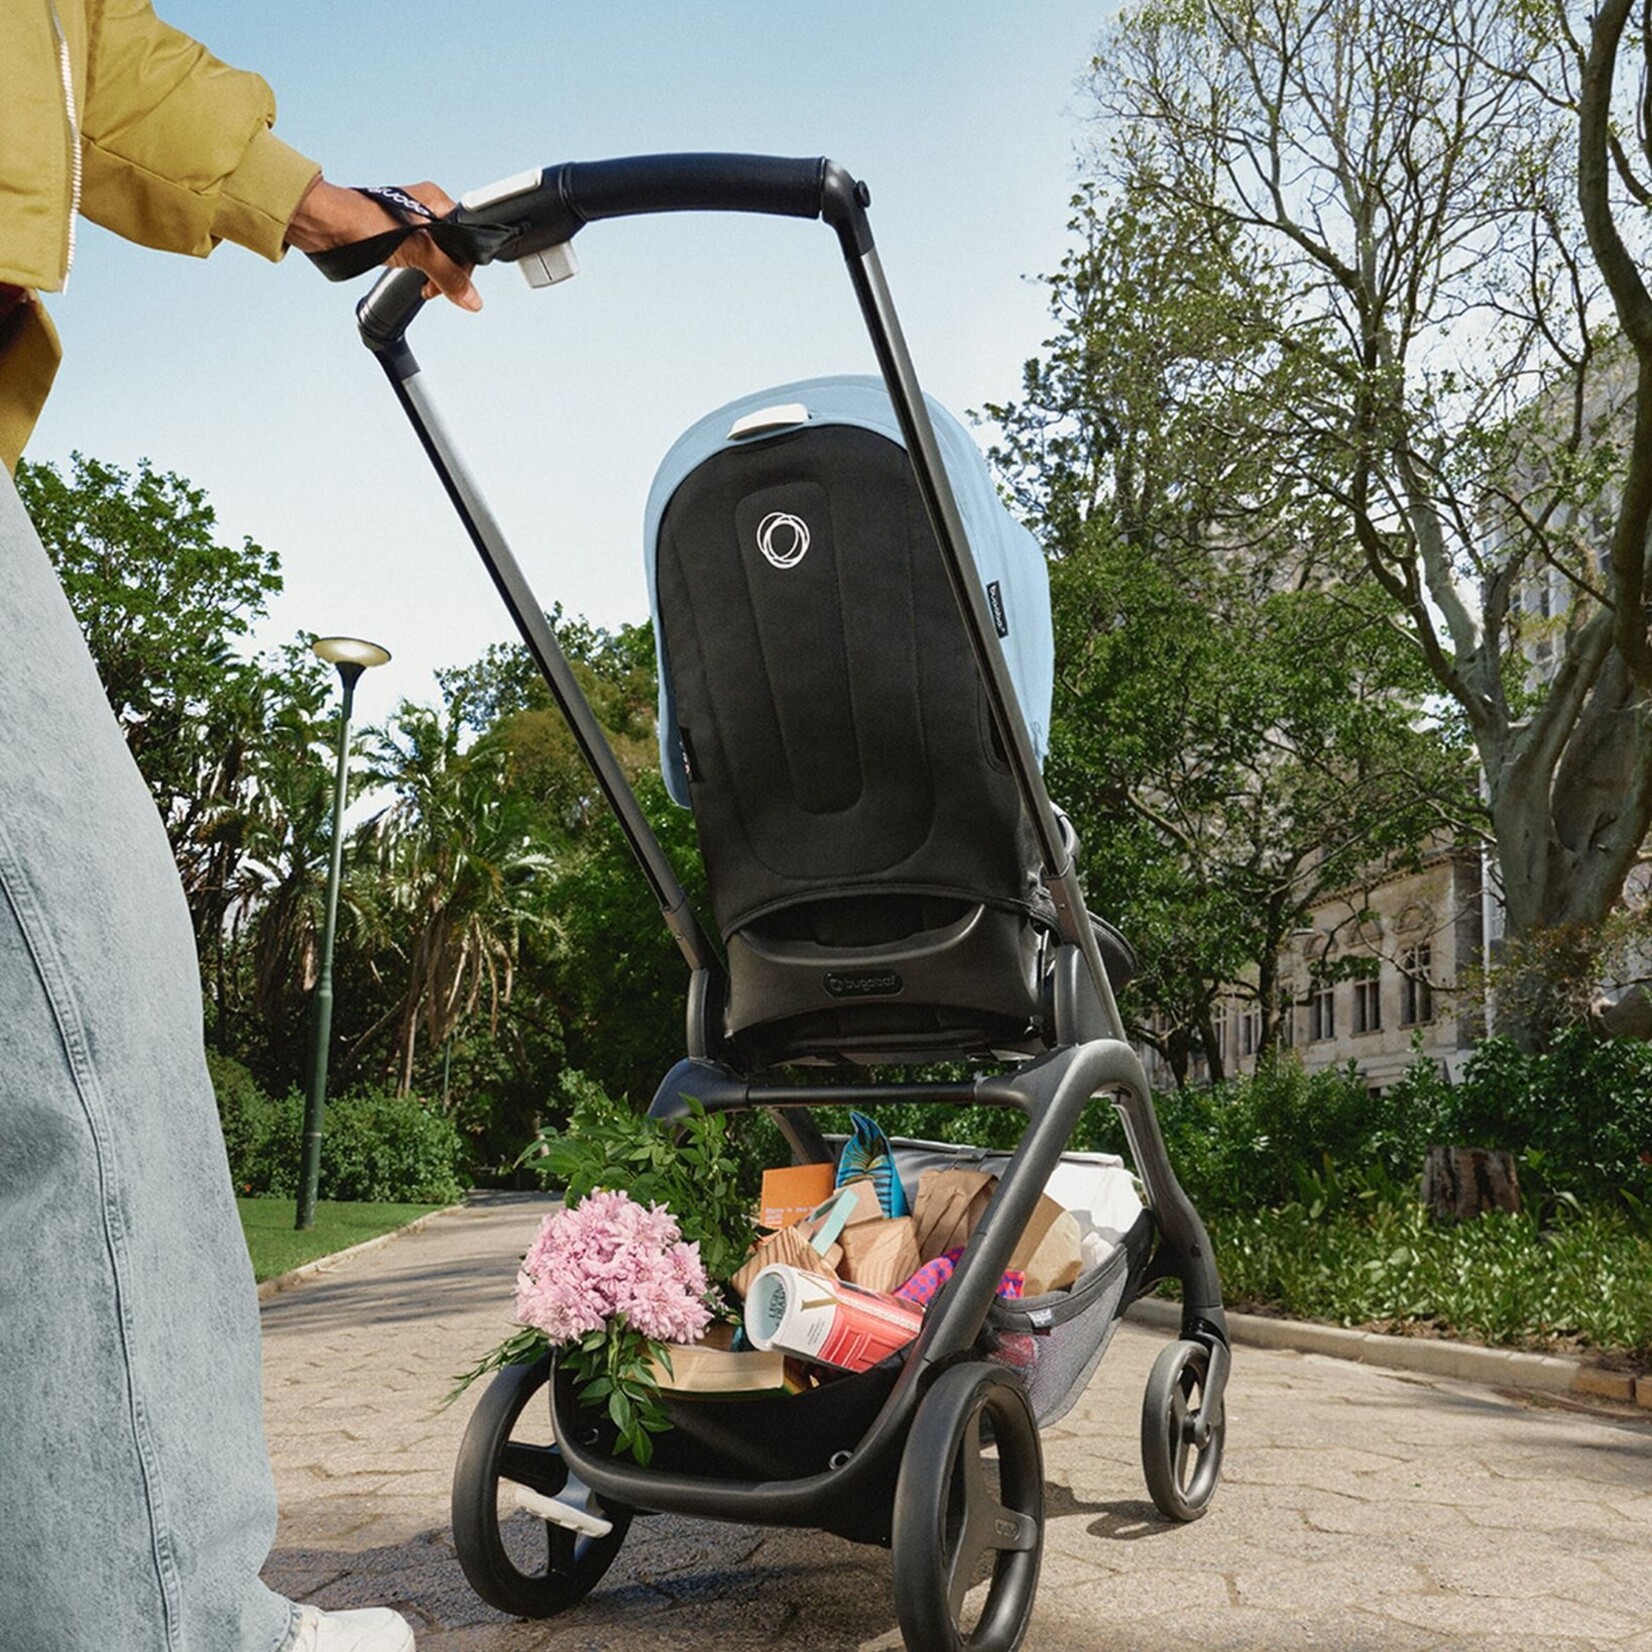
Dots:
pixel 782 538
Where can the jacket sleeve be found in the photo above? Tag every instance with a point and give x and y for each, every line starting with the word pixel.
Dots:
pixel 176 147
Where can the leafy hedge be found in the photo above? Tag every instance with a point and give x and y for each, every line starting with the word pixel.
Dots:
pixel 1308 1183
pixel 1578 1118
pixel 1363 1250
pixel 1579 1115
pixel 374 1146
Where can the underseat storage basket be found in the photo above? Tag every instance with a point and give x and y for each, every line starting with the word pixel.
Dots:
pixel 1056 1341
pixel 773 1436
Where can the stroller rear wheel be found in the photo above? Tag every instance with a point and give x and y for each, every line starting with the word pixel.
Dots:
pixel 1181 1449
pixel 962 1517
pixel 513 1557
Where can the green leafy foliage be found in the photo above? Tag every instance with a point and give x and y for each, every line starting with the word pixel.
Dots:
pixel 691 1168
pixel 1309 1185
pixel 1436 202
pixel 1501 1279
pixel 1579 1114
pixel 374 1147
pixel 614 1368
pixel 1244 1144
pixel 1236 728
pixel 160 600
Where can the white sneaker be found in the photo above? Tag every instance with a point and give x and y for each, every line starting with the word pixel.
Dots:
pixel 375 1630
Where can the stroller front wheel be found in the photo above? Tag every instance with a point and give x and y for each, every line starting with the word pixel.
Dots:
pixel 513 1557
pixel 1181 1450
pixel 962 1516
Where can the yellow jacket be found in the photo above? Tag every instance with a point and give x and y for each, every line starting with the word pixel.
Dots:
pixel 107 111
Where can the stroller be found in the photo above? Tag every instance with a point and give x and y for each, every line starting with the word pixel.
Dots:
pixel 855 679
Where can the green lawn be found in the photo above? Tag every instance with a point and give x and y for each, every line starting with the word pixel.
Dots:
pixel 276 1246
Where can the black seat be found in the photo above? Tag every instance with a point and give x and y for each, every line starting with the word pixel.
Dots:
pixel 870 867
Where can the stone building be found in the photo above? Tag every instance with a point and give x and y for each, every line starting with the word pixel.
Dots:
pixel 1388 963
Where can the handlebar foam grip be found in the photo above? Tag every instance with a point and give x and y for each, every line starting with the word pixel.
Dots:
pixel 779 185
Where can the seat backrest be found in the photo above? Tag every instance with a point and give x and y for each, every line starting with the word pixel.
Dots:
pixel 833 726
pixel 869 861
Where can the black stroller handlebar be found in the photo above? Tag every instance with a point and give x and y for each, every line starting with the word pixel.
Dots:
pixel 535 211
pixel 778 185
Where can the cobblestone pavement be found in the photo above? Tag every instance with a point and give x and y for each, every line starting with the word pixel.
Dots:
pixel 1360 1509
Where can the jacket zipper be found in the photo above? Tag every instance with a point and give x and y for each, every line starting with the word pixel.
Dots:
pixel 66 71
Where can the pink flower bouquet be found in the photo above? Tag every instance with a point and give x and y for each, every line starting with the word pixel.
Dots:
pixel 609 1281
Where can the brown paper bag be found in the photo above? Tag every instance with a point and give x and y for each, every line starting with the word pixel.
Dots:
pixel 948 1205
pixel 1058 1258
pixel 791 1247
pixel 1046 1213
pixel 879 1255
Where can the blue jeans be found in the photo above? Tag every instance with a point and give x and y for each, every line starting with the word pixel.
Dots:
pixel 136 1503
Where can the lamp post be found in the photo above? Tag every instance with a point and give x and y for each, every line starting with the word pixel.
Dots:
pixel 351 656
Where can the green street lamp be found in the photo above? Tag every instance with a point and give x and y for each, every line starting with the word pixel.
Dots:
pixel 351 656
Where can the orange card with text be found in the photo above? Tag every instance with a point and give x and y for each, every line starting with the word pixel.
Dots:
pixel 793 1191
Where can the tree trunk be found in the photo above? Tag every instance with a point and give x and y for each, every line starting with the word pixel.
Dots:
pixel 1460 1183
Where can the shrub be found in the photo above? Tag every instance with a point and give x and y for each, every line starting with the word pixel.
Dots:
pixel 383 1148
pixel 374 1146
pixel 1502 1279
pixel 244 1111
pixel 1578 1115
pixel 1245 1143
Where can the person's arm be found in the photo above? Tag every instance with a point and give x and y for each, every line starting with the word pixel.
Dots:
pixel 177 153
pixel 176 148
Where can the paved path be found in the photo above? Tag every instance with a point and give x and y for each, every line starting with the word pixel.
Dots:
pixel 1361 1510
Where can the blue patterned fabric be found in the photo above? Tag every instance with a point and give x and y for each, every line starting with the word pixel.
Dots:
pixel 866 1153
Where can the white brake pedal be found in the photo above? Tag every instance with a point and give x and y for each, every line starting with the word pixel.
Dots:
pixel 562 1514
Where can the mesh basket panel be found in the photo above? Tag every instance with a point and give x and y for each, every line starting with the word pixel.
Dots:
pixel 1055 1342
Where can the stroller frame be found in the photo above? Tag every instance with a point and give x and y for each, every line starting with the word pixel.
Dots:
pixel 532 218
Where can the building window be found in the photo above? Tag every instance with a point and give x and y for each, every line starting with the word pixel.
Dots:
pixel 1250 1031
pixel 1213 1042
pixel 1322 1013
pixel 1368 1006
pixel 1417 987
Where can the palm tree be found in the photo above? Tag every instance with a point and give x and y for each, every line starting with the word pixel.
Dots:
pixel 459 871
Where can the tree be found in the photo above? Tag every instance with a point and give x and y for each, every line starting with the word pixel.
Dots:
pixel 458 874
pixel 1237 727
pixel 611 964
pixel 1423 182
pixel 161 601
pixel 602 965
pixel 163 604
pixel 504 694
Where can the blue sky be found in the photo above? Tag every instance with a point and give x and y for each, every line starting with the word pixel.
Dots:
pixel 964 118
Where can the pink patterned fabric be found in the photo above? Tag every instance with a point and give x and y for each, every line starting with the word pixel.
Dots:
pixel 925 1285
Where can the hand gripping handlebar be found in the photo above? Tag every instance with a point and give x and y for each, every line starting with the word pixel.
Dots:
pixel 539 210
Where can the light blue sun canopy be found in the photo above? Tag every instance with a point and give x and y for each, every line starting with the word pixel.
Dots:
pixel 1006 554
